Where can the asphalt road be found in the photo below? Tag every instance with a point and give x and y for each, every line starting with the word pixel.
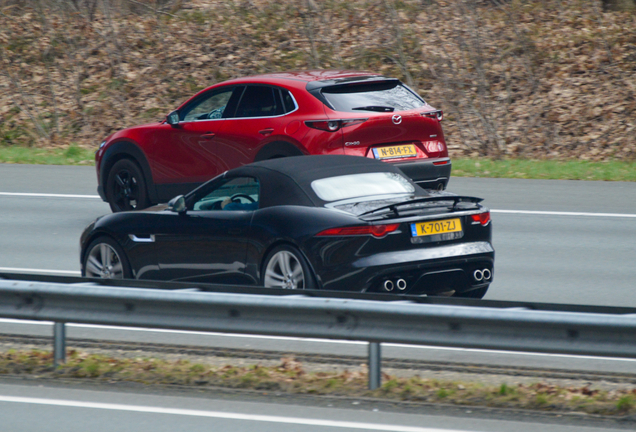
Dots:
pixel 550 257
pixel 43 408
pixel 579 250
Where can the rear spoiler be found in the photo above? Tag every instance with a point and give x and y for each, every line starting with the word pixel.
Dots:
pixel 456 199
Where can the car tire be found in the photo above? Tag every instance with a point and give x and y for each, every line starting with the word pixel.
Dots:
pixel 478 293
pixel 105 259
pixel 286 267
pixel 126 187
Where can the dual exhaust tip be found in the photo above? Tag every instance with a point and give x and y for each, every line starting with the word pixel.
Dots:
pixel 389 285
pixel 482 275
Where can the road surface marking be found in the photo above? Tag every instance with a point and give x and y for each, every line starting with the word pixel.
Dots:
pixel 45 195
pixel 555 213
pixel 221 415
pixel 525 212
pixel 39 271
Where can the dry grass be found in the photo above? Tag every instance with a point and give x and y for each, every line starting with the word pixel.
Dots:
pixel 289 376
pixel 533 79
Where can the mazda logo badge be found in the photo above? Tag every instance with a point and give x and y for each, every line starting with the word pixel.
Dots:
pixel 397 119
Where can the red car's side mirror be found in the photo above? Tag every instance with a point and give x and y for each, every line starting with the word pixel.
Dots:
pixel 173 118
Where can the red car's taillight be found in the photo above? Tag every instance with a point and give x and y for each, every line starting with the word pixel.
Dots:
pixel 482 218
pixel 437 114
pixel 374 230
pixel 333 125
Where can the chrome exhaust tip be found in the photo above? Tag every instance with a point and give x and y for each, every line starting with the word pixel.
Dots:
pixel 388 285
pixel 478 275
pixel 401 284
pixel 487 274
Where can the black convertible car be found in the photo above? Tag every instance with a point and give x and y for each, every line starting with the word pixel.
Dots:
pixel 322 222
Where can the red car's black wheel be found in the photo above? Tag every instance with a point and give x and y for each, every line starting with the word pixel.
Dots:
pixel 126 187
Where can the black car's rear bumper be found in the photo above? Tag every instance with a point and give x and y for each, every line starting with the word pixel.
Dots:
pixel 427 173
pixel 423 271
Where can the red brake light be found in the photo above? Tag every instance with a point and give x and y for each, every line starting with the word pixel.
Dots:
pixel 374 230
pixel 333 125
pixel 326 125
pixel 482 218
pixel 438 114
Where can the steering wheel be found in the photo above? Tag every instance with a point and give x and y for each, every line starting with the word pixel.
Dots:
pixel 235 197
pixel 216 113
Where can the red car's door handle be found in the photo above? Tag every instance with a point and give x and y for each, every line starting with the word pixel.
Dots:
pixel 266 132
pixel 208 135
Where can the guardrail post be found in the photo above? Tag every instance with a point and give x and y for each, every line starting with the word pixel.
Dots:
pixel 59 344
pixel 375 367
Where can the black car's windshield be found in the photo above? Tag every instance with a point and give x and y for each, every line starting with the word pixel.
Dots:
pixel 381 97
pixel 360 185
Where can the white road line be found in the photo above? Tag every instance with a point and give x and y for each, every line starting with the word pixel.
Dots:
pixel 48 195
pixel 220 415
pixel 40 271
pixel 312 340
pixel 523 212
pixel 555 213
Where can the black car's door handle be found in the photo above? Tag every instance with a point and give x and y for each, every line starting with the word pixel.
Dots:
pixel 234 231
pixel 208 135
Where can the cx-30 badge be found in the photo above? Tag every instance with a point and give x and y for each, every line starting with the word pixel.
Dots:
pixel 397 119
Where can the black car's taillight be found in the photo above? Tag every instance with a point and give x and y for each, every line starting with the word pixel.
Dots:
pixel 374 230
pixel 333 125
pixel 482 218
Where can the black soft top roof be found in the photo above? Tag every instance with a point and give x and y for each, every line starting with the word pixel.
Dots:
pixel 287 181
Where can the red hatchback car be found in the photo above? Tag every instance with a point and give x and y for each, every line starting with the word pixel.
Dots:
pixel 262 117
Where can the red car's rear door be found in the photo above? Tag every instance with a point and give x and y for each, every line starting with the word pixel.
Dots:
pixel 260 117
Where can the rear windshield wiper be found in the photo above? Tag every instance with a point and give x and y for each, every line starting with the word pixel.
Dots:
pixel 393 207
pixel 378 108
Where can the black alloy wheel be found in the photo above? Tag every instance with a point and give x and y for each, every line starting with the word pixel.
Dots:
pixel 286 267
pixel 105 259
pixel 126 187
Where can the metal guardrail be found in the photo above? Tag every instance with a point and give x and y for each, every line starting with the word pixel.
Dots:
pixel 297 315
pixel 353 295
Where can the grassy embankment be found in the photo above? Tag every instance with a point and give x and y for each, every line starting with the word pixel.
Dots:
pixel 291 378
pixel 479 167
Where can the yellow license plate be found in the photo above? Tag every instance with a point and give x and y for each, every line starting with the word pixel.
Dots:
pixel 436 227
pixel 393 152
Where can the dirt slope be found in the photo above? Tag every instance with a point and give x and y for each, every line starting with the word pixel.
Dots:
pixel 540 79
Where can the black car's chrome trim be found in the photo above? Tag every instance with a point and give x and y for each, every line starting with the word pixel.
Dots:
pixel 149 239
pixel 415 255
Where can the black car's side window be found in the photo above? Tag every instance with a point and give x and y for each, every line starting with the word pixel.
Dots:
pixel 239 193
pixel 208 106
pixel 260 101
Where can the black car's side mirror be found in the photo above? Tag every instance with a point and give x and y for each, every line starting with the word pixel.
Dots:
pixel 173 118
pixel 177 204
